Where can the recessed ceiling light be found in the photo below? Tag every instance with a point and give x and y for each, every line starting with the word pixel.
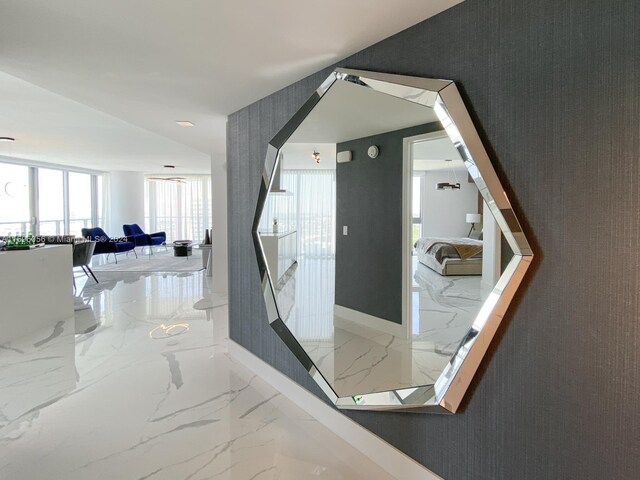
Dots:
pixel 7 139
pixel 184 123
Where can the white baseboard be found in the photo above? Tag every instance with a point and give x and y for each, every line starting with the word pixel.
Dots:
pixel 380 452
pixel 369 321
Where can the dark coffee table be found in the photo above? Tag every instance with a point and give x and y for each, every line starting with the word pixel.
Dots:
pixel 182 248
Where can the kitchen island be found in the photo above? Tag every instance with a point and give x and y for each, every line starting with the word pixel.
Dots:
pixel 36 290
pixel 280 250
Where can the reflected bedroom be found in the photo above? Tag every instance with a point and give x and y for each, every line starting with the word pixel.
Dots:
pixel 380 247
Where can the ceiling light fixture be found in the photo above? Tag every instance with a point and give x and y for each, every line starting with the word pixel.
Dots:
pixel 449 185
pixel 445 186
pixel 169 166
pixel 7 139
pixel 316 155
pixel 168 179
pixel 184 123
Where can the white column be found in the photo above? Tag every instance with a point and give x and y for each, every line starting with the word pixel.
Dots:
pixel 126 190
pixel 219 229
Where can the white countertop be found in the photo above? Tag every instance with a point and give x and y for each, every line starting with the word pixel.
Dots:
pixel 277 234
pixel 38 249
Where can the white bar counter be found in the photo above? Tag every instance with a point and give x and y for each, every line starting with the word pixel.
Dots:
pixel 280 250
pixel 36 290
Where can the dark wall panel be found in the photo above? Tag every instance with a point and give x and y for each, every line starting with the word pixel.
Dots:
pixel 553 87
pixel 369 202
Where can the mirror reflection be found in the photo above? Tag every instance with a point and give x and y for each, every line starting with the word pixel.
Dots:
pixel 380 248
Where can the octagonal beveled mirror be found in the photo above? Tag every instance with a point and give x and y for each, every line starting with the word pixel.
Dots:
pixel 388 250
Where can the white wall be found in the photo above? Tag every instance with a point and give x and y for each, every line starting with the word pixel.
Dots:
pixel 126 190
pixel 219 227
pixel 444 211
pixel 491 251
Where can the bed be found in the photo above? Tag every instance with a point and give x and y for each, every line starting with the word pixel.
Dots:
pixel 450 256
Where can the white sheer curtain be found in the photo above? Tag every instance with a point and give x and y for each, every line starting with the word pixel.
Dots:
pixel 308 207
pixel 181 209
pixel 311 317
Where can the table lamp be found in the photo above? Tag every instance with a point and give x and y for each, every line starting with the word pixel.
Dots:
pixel 473 218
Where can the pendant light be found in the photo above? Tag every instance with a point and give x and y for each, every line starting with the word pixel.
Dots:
pixel 449 185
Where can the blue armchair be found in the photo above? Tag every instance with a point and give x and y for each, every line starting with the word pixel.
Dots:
pixel 142 239
pixel 105 244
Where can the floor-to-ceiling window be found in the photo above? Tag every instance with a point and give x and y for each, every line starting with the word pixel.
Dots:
pixel 50 202
pixel 47 200
pixel 180 207
pixel 307 206
pixel 81 201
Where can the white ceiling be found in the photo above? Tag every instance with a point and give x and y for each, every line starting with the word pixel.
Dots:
pixel 53 129
pixel 348 111
pixel 430 154
pixel 151 62
pixel 297 156
pixel 438 148
pixel 437 154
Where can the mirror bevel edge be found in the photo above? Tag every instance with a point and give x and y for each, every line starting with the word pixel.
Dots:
pixel 270 165
pixel 268 289
pixel 453 107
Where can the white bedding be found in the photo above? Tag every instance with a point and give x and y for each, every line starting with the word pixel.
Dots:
pixel 443 255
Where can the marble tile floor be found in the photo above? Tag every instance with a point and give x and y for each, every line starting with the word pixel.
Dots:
pixel 160 261
pixel 139 386
pixel 356 359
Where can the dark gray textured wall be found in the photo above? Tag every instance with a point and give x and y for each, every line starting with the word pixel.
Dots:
pixel 369 202
pixel 554 88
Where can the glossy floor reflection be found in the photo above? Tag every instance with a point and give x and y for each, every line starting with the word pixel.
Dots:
pixel 356 359
pixel 139 386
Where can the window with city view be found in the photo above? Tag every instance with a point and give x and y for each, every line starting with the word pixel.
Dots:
pixel 46 201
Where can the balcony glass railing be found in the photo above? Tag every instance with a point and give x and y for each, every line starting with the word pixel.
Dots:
pixel 46 227
pixel 77 224
pixel 11 228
